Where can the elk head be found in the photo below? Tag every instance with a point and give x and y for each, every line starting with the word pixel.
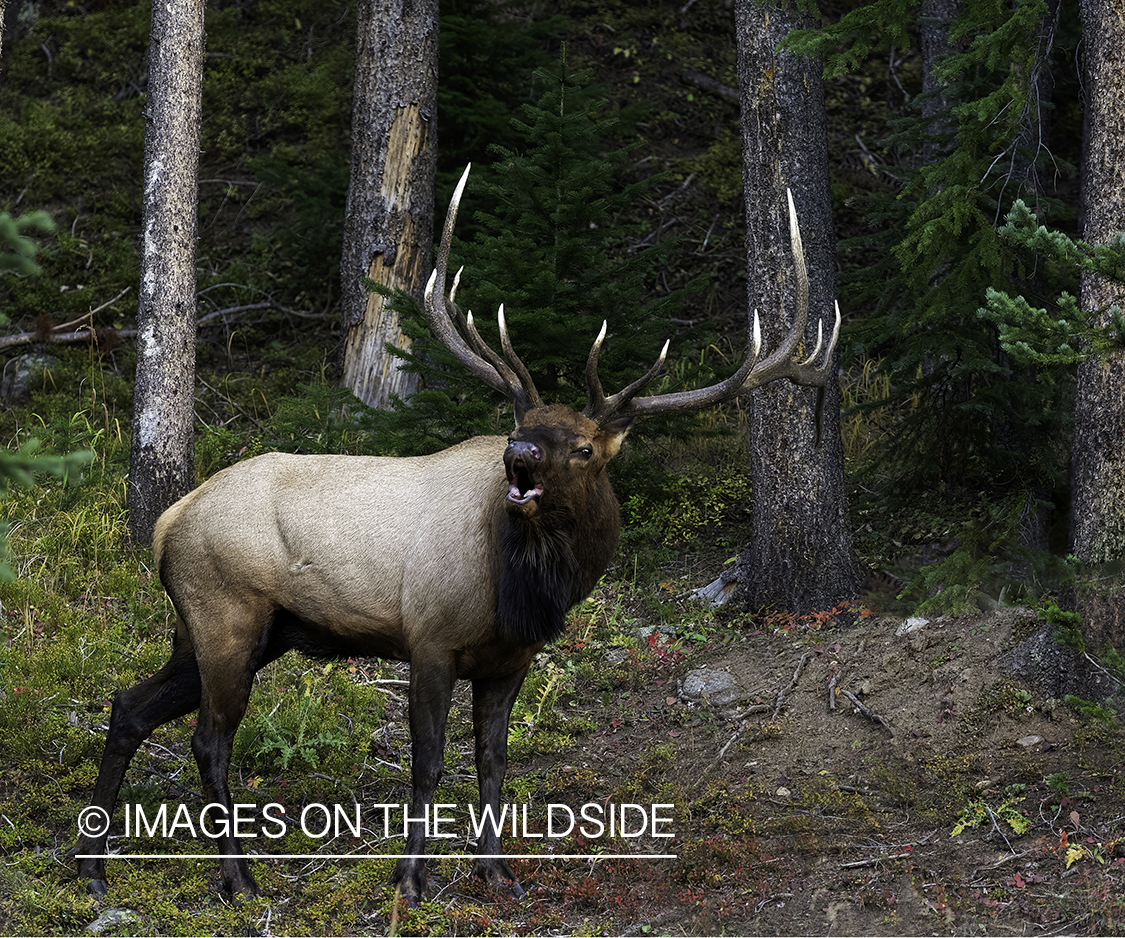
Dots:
pixel 591 438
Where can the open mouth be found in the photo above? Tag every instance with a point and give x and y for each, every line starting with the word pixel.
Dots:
pixel 521 487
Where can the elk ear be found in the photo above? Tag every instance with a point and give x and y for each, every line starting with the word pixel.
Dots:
pixel 613 433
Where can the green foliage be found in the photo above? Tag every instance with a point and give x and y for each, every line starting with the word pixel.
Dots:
pixel 971 413
pixel 17 250
pixel 988 563
pixel 1052 339
pixel 489 52
pixel 17 253
pixel 846 44
pixel 684 506
pixel 290 732
pixel 979 812
pixel 1105 714
pixel 720 168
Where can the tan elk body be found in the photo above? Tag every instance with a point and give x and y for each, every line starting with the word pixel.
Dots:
pixel 463 563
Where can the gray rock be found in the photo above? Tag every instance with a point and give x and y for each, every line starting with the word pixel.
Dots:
pixel 111 918
pixel 644 631
pixel 21 372
pixel 1054 670
pixel 911 625
pixel 715 687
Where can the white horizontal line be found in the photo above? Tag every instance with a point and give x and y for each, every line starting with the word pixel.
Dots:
pixel 376 856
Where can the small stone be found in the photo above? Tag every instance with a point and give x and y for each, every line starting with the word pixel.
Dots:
pixel 911 625
pixel 1028 741
pixel 111 918
pixel 21 373
pixel 783 792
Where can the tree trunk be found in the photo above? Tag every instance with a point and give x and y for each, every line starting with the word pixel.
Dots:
pixel 934 20
pixel 162 457
pixel 801 555
pixel 1098 464
pixel 388 233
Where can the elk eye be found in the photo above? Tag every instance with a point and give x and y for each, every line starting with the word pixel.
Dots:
pixel 586 451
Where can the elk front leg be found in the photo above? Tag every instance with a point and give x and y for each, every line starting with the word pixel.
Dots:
pixel 431 690
pixel 492 709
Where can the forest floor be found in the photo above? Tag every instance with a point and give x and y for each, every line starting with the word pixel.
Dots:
pixel 837 773
pixel 958 803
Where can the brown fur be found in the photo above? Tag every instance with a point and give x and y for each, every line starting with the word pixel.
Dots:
pixel 425 560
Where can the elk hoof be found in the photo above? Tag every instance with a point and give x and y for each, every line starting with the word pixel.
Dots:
pixel 97 887
pixel 512 889
pixel 499 875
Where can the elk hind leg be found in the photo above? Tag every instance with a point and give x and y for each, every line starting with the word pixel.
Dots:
pixel 171 692
pixel 227 676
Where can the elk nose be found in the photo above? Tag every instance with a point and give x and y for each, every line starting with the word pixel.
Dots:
pixel 527 450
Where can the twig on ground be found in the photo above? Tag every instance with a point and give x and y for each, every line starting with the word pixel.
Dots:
pixel 871 861
pixel 793 683
pixel 867 711
pixel 998 863
pixel 758 708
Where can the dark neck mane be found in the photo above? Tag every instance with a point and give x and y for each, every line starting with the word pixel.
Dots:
pixel 538 582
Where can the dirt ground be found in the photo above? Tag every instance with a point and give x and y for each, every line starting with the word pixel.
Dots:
pixel 844 774
pixel 904 784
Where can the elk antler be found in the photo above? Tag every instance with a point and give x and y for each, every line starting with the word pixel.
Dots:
pixel 511 377
pixel 781 364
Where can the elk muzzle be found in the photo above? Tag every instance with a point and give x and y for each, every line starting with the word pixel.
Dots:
pixel 522 464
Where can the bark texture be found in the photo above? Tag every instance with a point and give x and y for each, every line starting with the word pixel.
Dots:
pixel 3 28
pixel 1098 466
pixel 801 555
pixel 162 456
pixel 935 18
pixel 388 233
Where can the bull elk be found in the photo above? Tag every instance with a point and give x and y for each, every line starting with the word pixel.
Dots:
pixel 463 563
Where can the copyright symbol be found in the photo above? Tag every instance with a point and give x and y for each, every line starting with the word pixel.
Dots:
pixel 93 821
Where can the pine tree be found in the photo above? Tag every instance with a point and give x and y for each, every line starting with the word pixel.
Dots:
pixel 975 412
pixel 549 246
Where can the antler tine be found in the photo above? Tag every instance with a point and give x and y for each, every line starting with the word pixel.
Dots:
pixel 819 343
pixel 780 364
pixel 595 396
pixel 515 361
pixel 480 359
pixel 520 376
pixel 599 407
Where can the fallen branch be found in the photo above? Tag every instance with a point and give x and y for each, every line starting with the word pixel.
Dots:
pixel 793 683
pixel 759 708
pixel 999 863
pixel 58 333
pixel 707 83
pixel 867 711
pixel 871 861
pixel 86 333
